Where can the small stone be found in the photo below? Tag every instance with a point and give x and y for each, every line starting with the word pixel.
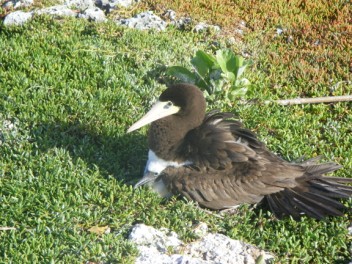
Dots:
pixel 243 23
pixel 279 31
pixel 231 40
pixel 183 23
pixel 8 5
pixel 8 129
pixel 57 11
pixel 201 27
pixel 8 125
pixel 200 230
pixel 16 4
pixel 17 18
pixel 170 14
pixel 80 4
pixel 93 14
pixel 218 248
pixel 23 3
pixel 239 31
pixel 350 230
pixel 124 3
pixel 114 4
pixel 143 21
pixel 160 239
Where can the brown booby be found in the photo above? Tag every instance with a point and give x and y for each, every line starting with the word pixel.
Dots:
pixel 211 159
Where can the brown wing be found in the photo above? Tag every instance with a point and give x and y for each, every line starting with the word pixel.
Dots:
pixel 220 141
pixel 245 182
pixel 230 166
pixel 288 189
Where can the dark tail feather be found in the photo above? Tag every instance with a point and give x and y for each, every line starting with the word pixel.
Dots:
pixel 280 205
pixel 314 196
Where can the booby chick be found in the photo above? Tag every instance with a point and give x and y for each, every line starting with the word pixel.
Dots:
pixel 211 159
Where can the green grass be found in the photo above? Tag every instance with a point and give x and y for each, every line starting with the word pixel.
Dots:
pixel 68 92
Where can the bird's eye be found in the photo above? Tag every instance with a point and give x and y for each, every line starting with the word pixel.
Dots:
pixel 168 105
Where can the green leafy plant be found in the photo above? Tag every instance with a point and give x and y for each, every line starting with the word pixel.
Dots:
pixel 221 73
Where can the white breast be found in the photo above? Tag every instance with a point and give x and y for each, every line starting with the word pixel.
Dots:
pixel 157 165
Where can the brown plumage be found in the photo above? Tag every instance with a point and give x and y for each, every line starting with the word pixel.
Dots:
pixel 224 164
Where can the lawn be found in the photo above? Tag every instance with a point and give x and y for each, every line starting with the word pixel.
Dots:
pixel 69 89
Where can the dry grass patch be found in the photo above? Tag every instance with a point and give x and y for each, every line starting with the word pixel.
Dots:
pixel 311 56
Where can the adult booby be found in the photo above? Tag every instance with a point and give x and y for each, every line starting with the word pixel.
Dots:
pixel 210 158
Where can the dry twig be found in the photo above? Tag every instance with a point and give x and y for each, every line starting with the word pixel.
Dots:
pixel 6 228
pixel 327 99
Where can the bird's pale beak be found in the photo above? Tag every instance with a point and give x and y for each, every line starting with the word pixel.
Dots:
pixel 158 111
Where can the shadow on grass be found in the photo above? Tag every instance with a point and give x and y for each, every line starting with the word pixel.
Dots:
pixel 122 156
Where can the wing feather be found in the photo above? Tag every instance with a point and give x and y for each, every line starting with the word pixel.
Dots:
pixel 230 166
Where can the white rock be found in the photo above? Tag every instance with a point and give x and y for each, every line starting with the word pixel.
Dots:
pixel 170 14
pixel 57 11
pixel 145 20
pixel 80 4
pixel 17 18
pixel 201 27
pixel 20 3
pixel 8 5
pixel 8 125
pixel 239 31
pixel 124 3
pixel 17 4
pixel 93 14
pixel 114 4
pixel 279 31
pixel 8 130
pixel 200 230
pixel 349 230
pixel 23 3
pixel 164 247
pixel 231 40
pixel 159 239
pixel 180 259
pixel 182 23
pixel 218 248
pixel 243 23
pixel 149 255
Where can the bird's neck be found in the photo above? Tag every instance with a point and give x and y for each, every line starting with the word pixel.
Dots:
pixel 165 137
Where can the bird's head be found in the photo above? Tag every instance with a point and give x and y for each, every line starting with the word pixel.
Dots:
pixel 183 100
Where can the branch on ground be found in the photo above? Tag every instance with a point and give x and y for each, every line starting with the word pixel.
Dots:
pixel 6 228
pixel 327 99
